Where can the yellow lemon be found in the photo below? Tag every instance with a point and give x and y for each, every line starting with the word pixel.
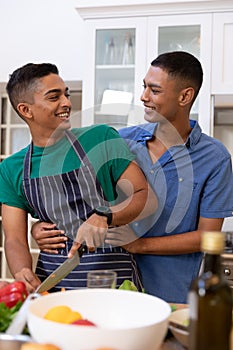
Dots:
pixel 58 313
pixel 73 316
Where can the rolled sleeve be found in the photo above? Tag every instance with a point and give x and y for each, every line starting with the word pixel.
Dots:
pixel 217 199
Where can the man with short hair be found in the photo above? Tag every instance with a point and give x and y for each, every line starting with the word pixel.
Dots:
pixel 190 172
pixel 69 180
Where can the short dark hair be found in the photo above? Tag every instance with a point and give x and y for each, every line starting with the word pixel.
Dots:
pixel 23 80
pixel 181 65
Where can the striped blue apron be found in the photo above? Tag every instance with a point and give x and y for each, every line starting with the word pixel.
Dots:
pixel 68 199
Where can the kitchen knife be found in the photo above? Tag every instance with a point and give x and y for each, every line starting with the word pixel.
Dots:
pixel 17 325
pixel 62 271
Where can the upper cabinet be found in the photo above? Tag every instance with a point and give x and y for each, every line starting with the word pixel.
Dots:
pixel 115 61
pixel 123 39
pixel 191 33
pixel 222 72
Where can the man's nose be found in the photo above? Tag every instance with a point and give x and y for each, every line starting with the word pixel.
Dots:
pixel 66 101
pixel 145 95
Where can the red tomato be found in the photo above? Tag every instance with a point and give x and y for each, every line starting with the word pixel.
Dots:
pixel 83 322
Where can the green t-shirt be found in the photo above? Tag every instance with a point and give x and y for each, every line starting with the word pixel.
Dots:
pixel 106 151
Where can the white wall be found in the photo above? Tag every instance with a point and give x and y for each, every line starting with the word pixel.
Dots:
pixel 41 31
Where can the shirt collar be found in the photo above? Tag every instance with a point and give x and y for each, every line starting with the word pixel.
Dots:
pixel 147 133
pixel 195 134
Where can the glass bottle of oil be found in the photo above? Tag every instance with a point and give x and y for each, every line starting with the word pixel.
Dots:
pixel 210 300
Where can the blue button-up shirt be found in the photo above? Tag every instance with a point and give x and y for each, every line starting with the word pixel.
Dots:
pixel 190 180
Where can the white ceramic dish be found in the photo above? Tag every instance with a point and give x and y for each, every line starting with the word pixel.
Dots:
pixel 180 317
pixel 126 320
pixel 13 342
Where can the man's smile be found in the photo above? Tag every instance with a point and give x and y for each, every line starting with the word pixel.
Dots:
pixel 63 115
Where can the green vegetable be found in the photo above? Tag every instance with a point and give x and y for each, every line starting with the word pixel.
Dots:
pixel 7 315
pixel 173 307
pixel 128 285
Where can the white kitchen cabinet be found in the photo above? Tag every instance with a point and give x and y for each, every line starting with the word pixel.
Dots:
pixel 204 28
pixel 191 33
pixel 108 73
pixel 222 72
pixel 114 70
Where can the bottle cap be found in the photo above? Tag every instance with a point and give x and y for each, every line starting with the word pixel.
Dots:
pixel 213 242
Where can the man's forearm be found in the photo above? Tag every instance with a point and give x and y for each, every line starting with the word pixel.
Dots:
pixel 183 243
pixel 18 256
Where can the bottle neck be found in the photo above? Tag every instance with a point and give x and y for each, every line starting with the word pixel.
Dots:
pixel 212 263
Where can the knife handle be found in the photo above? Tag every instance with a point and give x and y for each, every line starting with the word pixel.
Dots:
pixel 82 249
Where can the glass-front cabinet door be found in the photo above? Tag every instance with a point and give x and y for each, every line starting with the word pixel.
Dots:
pixel 116 68
pixel 114 75
pixel 119 52
pixel 190 33
pixel 181 38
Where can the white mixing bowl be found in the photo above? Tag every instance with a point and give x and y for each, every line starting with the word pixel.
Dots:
pixel 125 320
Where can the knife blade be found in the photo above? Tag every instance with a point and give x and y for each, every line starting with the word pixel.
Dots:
pixel 62 271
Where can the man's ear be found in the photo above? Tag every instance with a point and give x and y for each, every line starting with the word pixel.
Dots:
pixel 186 96
pixel 24 110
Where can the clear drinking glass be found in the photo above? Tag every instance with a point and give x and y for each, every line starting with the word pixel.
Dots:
pixel 101 279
